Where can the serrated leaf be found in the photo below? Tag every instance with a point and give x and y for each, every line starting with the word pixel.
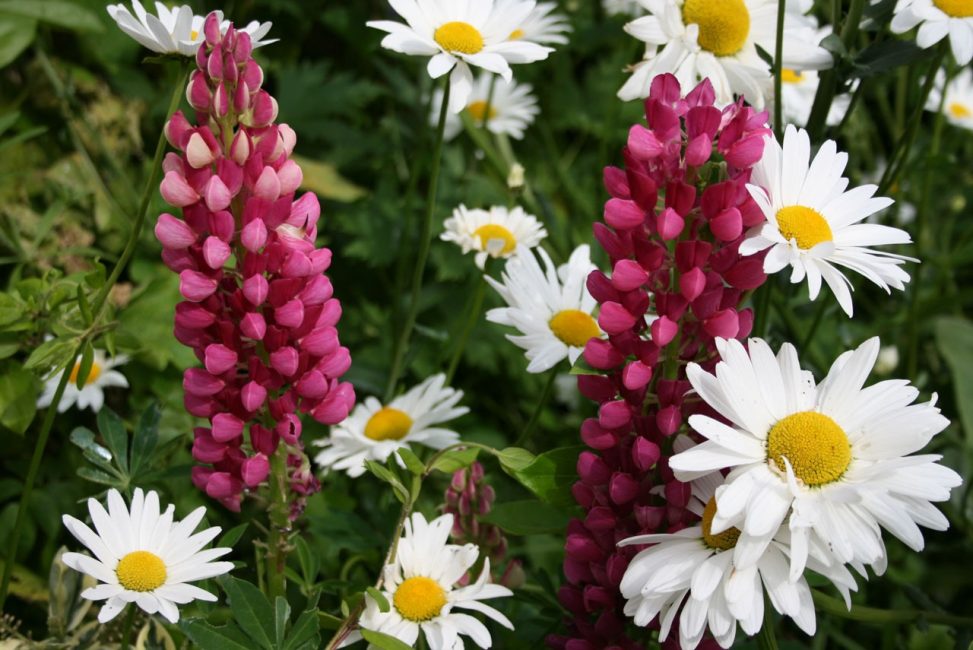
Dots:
pixel 383 641
pixel 282 614
pixel 379 598
pixel 18 399
pixel 412 462
pixel 529 517
pixel 453 461
pixel 515 458
pixel 550 475
pixel 208 637
pixel 251 610
pixel 55 12
pixel 112 429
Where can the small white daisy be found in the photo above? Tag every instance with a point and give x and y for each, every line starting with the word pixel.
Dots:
pixel 373 431
pixel 798 89
pixel 457 35
pixel 833 456
pixel 958 103
pixel 496 232
pixel 551 307
pixel 420 585
pixel 142 556
pixel 101 376
pixel 693 569
pixel 542 24
pixel 697 39
pixel 508 110
pixel 938 19
pixel 813 223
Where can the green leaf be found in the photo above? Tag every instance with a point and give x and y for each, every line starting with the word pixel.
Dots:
pixel 84 367
pixel 514 458
pixel 453 461
pixel 310 562
pixel 325 181
pixel 581 367
pixel 550 475
pixel 304 633
pixel 232 536
pixel 385 474
pixel 282 613
pixel 55 12
pixel 251 610
pixel 328 621
pixel 145 439
pixel 412 462
pixel 95 453
pixel 954 337
pixel 98 476
pixel 51 355
pixel 18 399
pixel 11 309
pixel 882 56
pixel 207 637
pixel 529 517
pixel 16 35
pixel 112 429
pixel 379 598
pixel 383 641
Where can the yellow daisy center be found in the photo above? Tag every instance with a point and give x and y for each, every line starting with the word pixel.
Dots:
pixel 722 541
pixel 805 225
pixel 419 599
pixel 141 571
pixel 955 8
pixel 959 110
pixel 723 24
pixel 92 377
pixel 492 231
pixel 574 327
pixel 194 34
pixel 815 446
pixel 388 424
pixel 789 76
pixel 479 110
pixel 516 35
pixel 457 36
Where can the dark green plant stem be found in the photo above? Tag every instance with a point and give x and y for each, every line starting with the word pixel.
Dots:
pixel 901 154
pixel 829 78
pixel 98 306
pixel 402 344
pixel 766 639
pixel 818 317
pixel 524 437
pixel 129 625
pixel 472 316
pixel 489 102
pixel 878 616
pixel 778 66
pixel 762 309
pixel 278 512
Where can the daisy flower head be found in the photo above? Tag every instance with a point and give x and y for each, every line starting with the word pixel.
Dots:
pixel 457 35
pixel 936 20
pixel 420 585
pixel 506 107
pixel 718 40
pixel 550 306
pixel 142 556
pixel 496 232
pixel 374 431
pixel 92 395
pixel 814 225
pixel 799 87
pixel 542 24
pixel 692 574
pixel 957 104
pixel 830 461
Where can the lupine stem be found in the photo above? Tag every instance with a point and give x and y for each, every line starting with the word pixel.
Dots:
pixel 778 66
pixel 538 409
pixel 473 315
pixel 97 308
pixel 402 344
pixel 278 525
pixel 878 616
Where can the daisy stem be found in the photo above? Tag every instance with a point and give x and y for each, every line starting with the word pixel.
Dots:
pixel 473 315
pixel 401 345
pixel 129 625
pixel 536 415
pixel 878 616
pixel 767 639
pixel 778 65
pixel 829 79
pixel 97 307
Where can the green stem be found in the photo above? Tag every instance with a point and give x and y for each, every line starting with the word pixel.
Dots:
pixel 278 525
pixel 129 625
pixel 401 345
pixel 818 317
pixel 767 639
pixel 829 78
pixel 473 315
pixel 778 65
pixel 761 311
pixel 98 306
pixel 536 415
pixel 878 616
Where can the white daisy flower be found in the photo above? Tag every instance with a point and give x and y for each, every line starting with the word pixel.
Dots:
pixel 798 89
pixel 420 585
pixel 958 104
pixel 509 110
pixel 550 307
pixel 142 556
pixel 496 232
pixel 813 224
pixel 176 30
pixel 693 569
pixel 373 431
pixel 101 376
pixel 542 24
pixel 938 19
pixel 833 456
pixel 697 39
pixel 457 35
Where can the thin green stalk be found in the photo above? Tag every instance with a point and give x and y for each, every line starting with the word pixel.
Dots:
pixel 473 315
pixel 489 102
pixel 401 345
pixel 129 625
pixel 538 409
pixel 767 639
pixel 878 616
pixel 818 317
pixel 829 79
pixel 778 66
pixel 98 305
pixel 761 310
pixel 278 524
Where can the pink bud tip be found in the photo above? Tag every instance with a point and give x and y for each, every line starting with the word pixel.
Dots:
pixel 615 319
pixel 174 233
pixel 643 143
pixel 176 191
pixel 199 382
pixel 253 326
pixel 614 415
pixel 692 283
pixel 663 330
pixel 284 361
pixel 219 359
pixel 195 286
pixel 628 275
pixel 255 289
pixel 670 224
pixel 623 215
pixel 255 470
pixel 636 375
pixel 226 427
pixel 215 252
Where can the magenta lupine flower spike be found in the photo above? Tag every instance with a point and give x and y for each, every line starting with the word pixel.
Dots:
pixel 258 311
pixel 672 229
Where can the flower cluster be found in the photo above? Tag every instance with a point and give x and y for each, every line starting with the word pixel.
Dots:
pixel 674 249
pixel 258 309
